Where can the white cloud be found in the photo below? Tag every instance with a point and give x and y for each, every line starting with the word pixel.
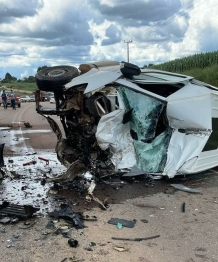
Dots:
pixel 52 32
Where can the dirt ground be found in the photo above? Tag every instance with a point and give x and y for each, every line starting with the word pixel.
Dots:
pixel 183 234
pixel 184 224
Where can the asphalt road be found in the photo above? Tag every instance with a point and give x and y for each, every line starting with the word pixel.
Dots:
pixel 189 236
pixel 30 138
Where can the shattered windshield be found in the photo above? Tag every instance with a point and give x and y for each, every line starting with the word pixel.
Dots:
pixel 151 150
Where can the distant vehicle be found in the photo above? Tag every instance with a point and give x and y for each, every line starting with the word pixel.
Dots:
pixel 48 96
pixel 52 100
pixel 32 99
pixel 118 117
pixel 42 97
pixel 17 99
pixel 25 98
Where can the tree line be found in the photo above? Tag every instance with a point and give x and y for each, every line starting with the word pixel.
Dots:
pixel 30 79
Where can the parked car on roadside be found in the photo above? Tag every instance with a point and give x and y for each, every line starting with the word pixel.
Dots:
pixel 48 95
pixel 25 98
pixel 32 99
pixel 118 117
pixel 52 100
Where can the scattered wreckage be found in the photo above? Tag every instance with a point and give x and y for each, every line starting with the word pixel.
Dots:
pixel 117 117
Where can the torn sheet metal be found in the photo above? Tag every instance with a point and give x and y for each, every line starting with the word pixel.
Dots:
pixel 185 188
pixel 191 131
pixel 111 133
pixel 190 107
pixel 183 148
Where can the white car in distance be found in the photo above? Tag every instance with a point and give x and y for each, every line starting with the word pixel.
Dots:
pixel 52 100
pixel 25 99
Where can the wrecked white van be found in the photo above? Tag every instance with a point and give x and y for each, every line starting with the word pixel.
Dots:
pixel 117 116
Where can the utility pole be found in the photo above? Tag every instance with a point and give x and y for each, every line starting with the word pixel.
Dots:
pixel 127 42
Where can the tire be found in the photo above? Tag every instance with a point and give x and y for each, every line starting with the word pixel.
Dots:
pixel 53 78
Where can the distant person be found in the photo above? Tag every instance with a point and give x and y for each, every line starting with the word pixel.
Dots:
pixel 12 95
pixel 4 99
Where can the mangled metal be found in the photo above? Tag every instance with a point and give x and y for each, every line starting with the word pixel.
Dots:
pixel 119 117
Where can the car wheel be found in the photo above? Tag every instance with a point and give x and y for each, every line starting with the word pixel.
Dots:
pixel 53 78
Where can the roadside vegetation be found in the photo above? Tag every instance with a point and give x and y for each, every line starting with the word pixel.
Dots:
pixel 21 87
pixel 203 67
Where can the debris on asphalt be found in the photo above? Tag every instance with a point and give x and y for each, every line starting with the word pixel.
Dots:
pixel 91 195
pixel 119 226
pixel 20 211
pixel 138 239
pixel 88 218
pixel 186 189
pixel 144 220
pixel 170 190
pixel 1 155
pixel 10 245
pixel 73 242
pixel 44 159
pixel 88 248
pixel 121 249
pixel 183 207
pixel 6 172
pixel 69 215
pixel 28 226
pixel 92 244
pixel 5 220
pixel 27 125
pixel 32 162
pixel 123 222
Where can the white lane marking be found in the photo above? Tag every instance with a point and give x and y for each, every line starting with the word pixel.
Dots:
pixel 17 118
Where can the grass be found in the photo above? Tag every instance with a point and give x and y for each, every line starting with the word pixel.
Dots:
pixel 208 74
pixel 21 88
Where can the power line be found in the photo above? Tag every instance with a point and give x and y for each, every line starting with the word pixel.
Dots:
pixel 162 24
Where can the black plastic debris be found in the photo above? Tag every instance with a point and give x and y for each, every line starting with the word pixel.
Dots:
pixel 125 223
pixel 69 215
pixel 88 248
pixel 144 220
pixel 183 207
pixel 73 242
pixel 1 155
pixel 27 125
pixel 127 116
pixel 138 239
pixel 25 211
pixel 149 181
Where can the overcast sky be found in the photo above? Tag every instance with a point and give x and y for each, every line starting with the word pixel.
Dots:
pixel 34 33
